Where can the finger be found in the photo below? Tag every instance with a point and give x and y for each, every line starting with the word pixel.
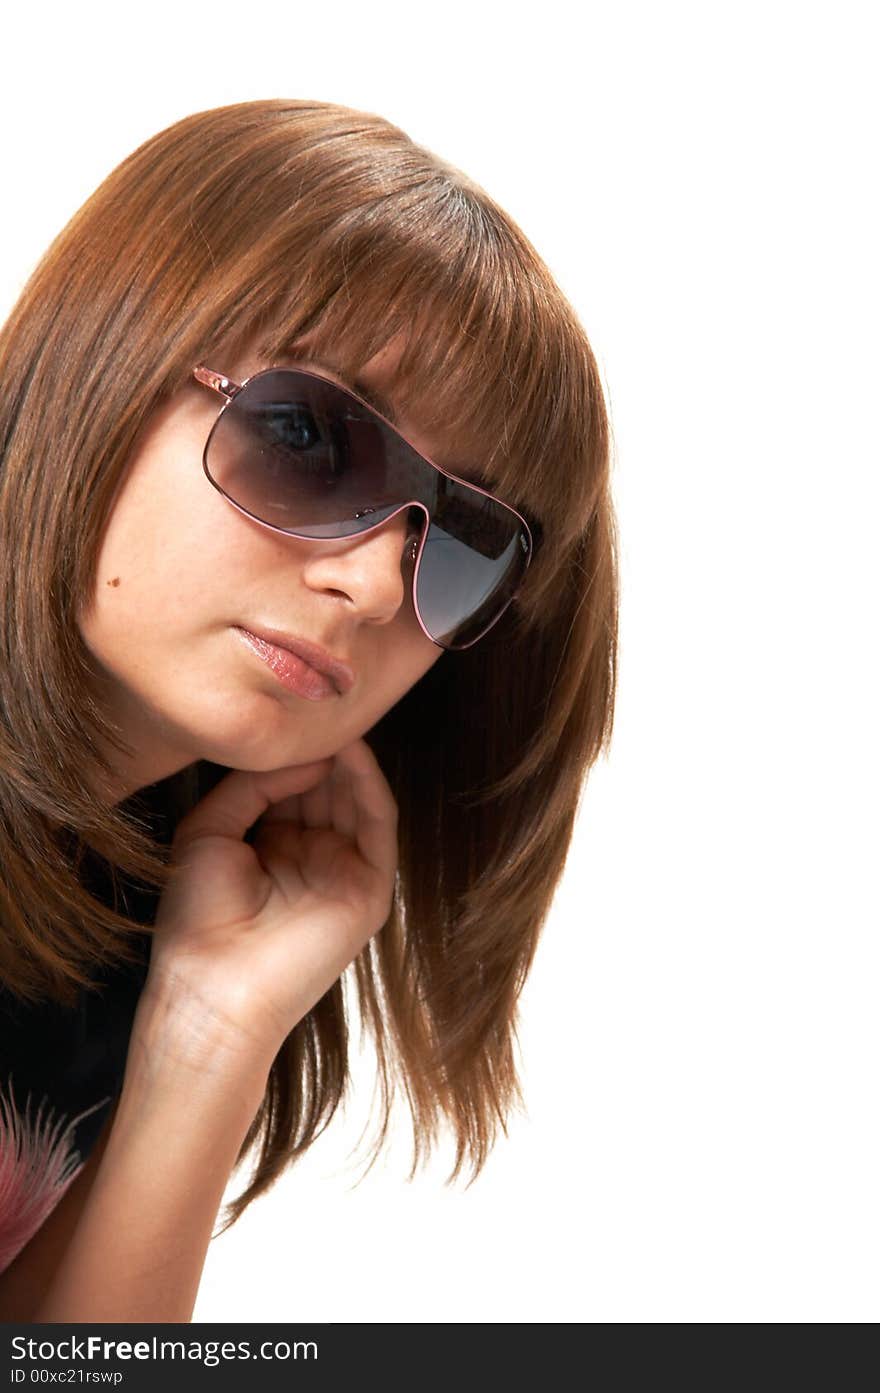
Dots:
pixel 375 807
pixel 342 805
pixel 243 796
pixel 316 805
pixel 285 810
pixel 330 804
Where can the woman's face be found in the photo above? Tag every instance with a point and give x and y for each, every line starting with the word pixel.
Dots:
pixel 180 569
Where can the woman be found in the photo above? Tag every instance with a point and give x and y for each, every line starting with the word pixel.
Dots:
pixel 285 376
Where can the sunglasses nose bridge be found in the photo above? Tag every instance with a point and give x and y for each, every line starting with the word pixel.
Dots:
pixel 415 531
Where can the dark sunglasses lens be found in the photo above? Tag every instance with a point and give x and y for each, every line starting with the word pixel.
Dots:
pixel 474 559
pixel 295 451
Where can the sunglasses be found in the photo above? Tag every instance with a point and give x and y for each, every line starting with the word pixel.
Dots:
pixel 302 455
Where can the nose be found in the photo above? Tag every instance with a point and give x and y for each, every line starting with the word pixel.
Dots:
pixel 372 571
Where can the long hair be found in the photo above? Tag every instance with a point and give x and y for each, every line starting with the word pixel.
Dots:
pixel 281 219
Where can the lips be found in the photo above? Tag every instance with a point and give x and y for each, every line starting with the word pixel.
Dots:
pixel 340 674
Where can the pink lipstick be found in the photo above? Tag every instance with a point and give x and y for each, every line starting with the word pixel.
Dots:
pixel 292 672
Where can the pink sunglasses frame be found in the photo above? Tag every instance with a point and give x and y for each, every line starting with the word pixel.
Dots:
pixel 227 388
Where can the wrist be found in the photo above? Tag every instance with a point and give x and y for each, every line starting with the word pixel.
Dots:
pixel 177 1039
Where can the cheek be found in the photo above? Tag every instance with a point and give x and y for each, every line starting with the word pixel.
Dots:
pixel 170 535
pixel 421 658
pixel 406 659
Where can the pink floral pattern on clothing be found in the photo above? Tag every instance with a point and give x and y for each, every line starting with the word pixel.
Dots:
pixel 38 1164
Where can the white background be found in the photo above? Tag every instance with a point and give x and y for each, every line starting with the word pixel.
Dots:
pixel 698 1035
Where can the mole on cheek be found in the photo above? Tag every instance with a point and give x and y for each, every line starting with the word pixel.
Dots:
pixel 114 581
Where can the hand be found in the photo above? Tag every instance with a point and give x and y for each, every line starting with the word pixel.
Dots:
pixel 248 937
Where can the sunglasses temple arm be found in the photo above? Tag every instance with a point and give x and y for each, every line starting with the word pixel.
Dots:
pixel 216 381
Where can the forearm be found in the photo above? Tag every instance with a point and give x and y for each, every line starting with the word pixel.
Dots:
pixel 138 1251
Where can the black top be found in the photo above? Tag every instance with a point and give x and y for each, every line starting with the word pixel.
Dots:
pixel 62 1067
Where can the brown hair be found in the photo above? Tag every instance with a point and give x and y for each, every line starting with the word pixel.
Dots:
pixel 280 219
